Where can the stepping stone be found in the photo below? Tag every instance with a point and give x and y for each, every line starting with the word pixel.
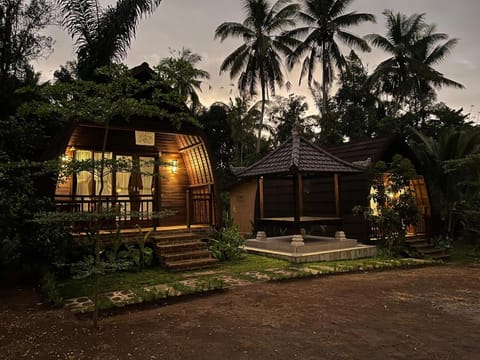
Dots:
pixel 257 275
pixel 79 305
pixel 231 281
pixel 312 271
pixel 121 298
pixel 159 290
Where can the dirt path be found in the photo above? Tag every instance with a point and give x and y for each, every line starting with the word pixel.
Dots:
pixel 427 313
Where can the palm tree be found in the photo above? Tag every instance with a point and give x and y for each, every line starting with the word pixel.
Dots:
pixel 102 34
pixel 179 71
pixel 325 23
pixel 257 60
pixel 408 75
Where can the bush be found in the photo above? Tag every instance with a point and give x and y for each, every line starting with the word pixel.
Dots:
pixel 227 243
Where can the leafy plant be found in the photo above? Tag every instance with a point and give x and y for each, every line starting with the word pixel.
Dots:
pixel 227 243
pixel 395 208
pixel 49 289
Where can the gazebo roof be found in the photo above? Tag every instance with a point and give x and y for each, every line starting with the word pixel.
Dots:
pixel 298 155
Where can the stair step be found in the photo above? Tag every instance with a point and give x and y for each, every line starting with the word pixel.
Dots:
pixel 420 246
pixel 188 255
pixel 174 238
pixel 430 250
pixel 415 240
pixel 440 256
pixel 180 247
pixel 191 264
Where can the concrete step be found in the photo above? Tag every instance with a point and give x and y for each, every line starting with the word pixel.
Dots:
pixel 439 256
pixel 188 255
pixel 430 250
pixel 415 240
pixel 191 264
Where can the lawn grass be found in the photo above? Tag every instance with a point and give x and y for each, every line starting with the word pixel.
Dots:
pixel 157 275
pixel 465 253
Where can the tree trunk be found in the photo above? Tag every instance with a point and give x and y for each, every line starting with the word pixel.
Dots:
pixel 324 83
pixel 260 125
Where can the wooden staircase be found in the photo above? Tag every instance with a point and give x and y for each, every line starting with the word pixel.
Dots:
pixel 182 251
pixel 420 244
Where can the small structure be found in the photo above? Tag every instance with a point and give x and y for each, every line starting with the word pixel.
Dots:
pixel 298 190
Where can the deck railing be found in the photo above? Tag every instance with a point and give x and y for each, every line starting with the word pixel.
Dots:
pixel 126 213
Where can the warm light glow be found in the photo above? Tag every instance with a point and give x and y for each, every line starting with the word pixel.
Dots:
pixel 174 166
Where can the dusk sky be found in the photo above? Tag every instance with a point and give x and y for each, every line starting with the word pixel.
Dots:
pixel 191 24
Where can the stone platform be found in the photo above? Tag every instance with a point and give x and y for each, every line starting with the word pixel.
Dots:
pixel 314 248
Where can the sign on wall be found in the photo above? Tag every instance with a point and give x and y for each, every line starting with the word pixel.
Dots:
pixel 144 138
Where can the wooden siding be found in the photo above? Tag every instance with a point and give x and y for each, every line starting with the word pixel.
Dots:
pixel 190 152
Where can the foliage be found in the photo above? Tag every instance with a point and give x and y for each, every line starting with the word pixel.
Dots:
pixel 358 107
pixel 49 289
pixel 214 121
pixel 324 24
pixel 451 167
pixel 408 75
pixel 180 73
pixel 257 60
pixel 21 38
pixel 395 207
pixel 287 113
pixel 102 34
pixel 227 243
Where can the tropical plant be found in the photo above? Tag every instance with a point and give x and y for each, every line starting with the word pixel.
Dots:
pixel 451 166
pixel 408 75
pixel 395 207
pixel 180 73
pixel 227 243
pixel 358 106
pixel 325 22
pixel 289 113
pixel 102 35
pixel 257 61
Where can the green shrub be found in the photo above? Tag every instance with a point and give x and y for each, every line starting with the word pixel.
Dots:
pixel 49 289
pixel 227 243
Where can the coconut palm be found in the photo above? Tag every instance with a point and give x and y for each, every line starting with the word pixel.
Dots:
pixel 180 72
pixel 257 61
pixel 408 75
pixel 102 34
pixel 325 24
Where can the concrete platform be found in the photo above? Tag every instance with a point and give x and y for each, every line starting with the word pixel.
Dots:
pixel 316 248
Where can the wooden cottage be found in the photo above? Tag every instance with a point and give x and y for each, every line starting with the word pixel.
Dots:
pixel 171 170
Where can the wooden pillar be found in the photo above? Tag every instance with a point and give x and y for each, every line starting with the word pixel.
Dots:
pixel 337 195
pixel 261 198
pixel 187 204
pixel 298 201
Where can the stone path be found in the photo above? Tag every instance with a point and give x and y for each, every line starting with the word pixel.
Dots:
pixel 213 280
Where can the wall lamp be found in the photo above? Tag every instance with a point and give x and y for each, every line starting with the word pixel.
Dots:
pixel 174 166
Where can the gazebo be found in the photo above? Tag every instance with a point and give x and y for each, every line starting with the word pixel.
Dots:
pixel 295 161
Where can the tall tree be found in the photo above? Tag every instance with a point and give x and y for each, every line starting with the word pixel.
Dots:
pixel 289 113
pixel 102 35
pixel 358 106
pixel 258 60
pixel 180 72
pixel 21 41
pixel 408 75
pixel 325 22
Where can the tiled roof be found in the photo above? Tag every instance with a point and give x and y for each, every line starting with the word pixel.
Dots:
pixel 298 155
pixel 361 150
pixel 372 150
